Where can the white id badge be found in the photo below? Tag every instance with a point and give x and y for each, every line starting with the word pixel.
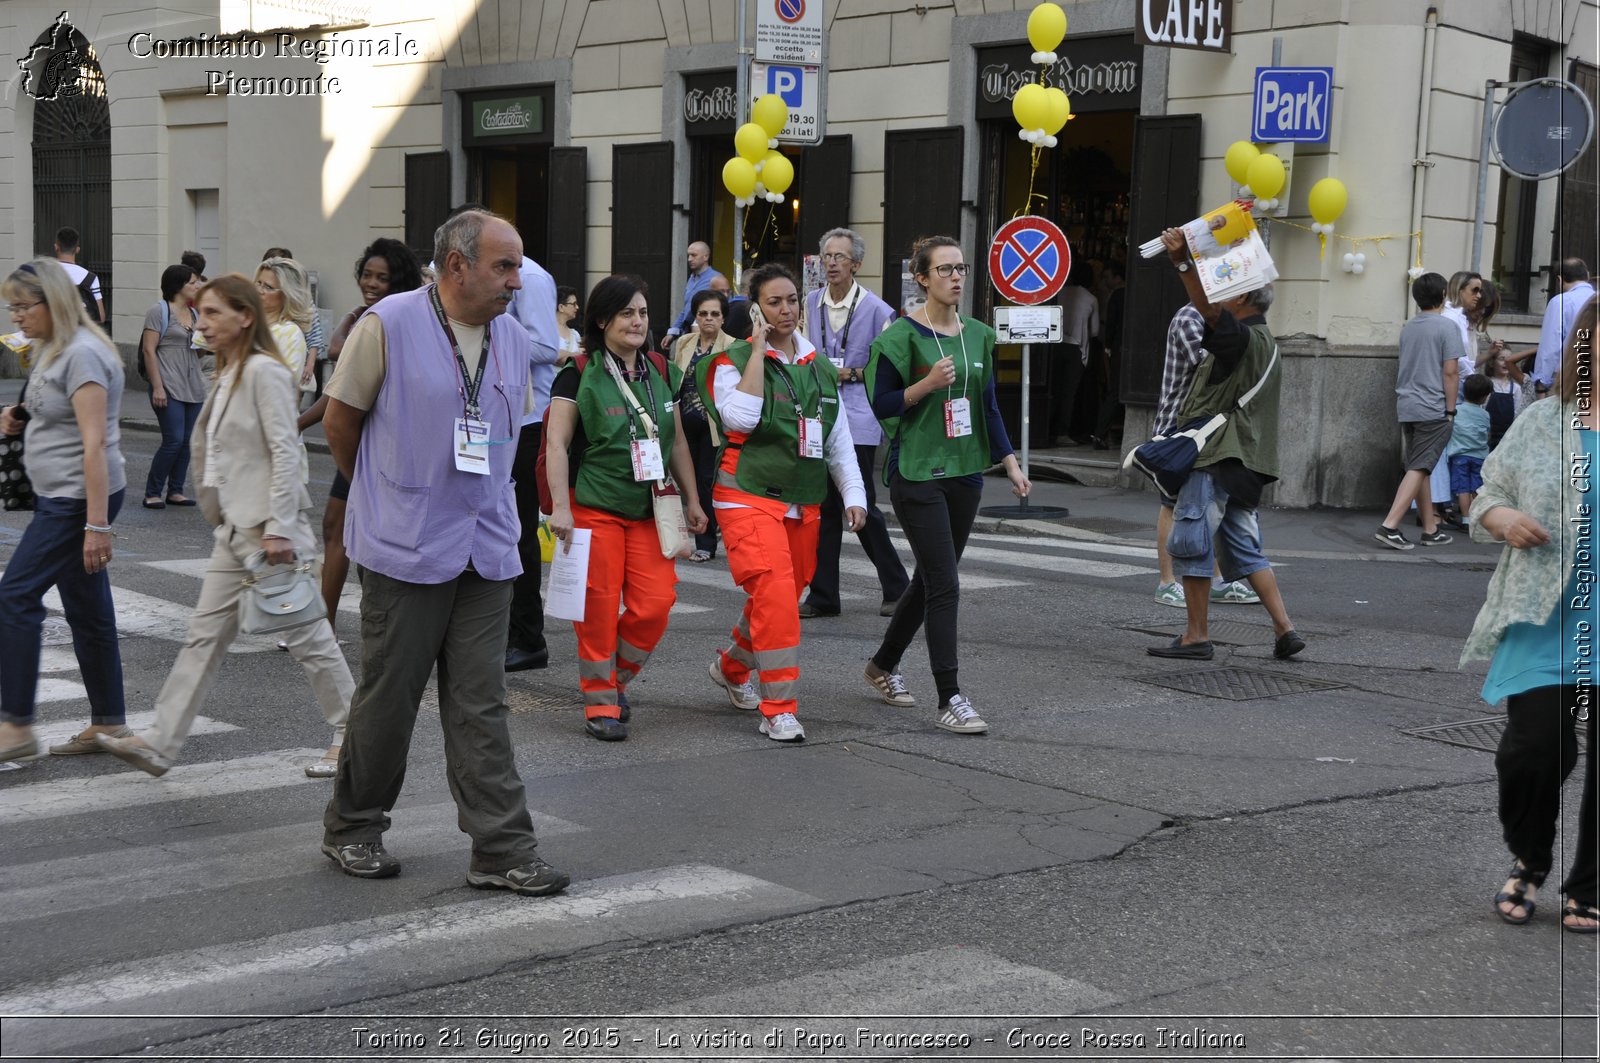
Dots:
pixel 471 446
pixel 957 418
pixel 838 363
pixel 647 463
pixel 811 437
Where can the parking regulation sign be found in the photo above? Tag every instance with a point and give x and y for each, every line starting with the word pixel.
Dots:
pixel 789 31
pixel 1292 104
pixel 1029 260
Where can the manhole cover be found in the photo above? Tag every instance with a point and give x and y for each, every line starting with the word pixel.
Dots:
pixel 1482 735
pixel 1236 684
pixel 517 701
pixel 1227 632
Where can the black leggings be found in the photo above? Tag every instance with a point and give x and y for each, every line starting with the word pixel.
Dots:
pixel 1537 753
pixel 937 517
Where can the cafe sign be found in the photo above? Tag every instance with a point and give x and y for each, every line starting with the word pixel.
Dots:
pixel 1206 25
pixel 1097 73
pixel 514 119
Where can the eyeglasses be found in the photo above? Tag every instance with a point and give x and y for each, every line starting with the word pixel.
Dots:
pixel 836 256
pixel 708 313
pixel 264 288
pixel 947 269
pixel 572 303
pixel 22 308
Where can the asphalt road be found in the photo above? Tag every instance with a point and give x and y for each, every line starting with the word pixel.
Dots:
pixel 1291 875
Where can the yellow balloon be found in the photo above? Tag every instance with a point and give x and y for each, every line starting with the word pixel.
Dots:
pixel 1241 153
pixel 778 173
pixel 1327 200
pixel 1060 110
pixel 1047 24
pixel 770 113
pixel 750 141
pixel 1266 176
pixel 1031 106
pixel 739 177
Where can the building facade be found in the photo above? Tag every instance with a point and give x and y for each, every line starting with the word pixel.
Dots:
pixel 600 127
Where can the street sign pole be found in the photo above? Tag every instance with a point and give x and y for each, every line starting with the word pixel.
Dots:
pixel 741 114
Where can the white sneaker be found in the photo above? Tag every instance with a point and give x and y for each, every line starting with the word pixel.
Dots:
pixel 959 716
pixel 742 695
pixel 1171 594
pixel 784 727
pixel 891 688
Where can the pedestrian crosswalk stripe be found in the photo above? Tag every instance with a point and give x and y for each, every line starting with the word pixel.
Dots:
pixel 969 581
pixel 942 981
pixel 130 788
pixel 144 615
pixel 50 689
pixel 132 875
pixel 1053 563
pixel 1053 542
pixel 61 730
pixel 479 933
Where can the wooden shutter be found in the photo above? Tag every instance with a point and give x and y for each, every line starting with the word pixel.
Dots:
pixel 1577 226
pixel 569 215
pixel 824 191
pixel 427 200
pixel 641 223
pixel 921 195
pixel 1166 183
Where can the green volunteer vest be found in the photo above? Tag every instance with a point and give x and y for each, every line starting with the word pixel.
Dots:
pixel 770 465
pixel 605 469
pixel 1251 434
pixel 926 452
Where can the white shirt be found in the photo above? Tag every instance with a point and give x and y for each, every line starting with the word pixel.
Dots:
pixel 1080 318
pixel 839 313
pixel 1559 315
pixel 742 413
pixel 76 273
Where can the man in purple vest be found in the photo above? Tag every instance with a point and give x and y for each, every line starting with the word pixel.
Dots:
pixel 422 418
pixel 842 320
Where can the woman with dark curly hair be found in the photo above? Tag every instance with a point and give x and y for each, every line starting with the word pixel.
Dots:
pixel 386 267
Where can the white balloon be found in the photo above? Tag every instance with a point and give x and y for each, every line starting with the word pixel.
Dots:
pixel 1245 193
pixel 772 145
pixel 1361 256
pixel 1358 268
pixel 1348 260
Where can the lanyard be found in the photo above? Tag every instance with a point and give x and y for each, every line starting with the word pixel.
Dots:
pixel 844 335
pixel 789 388
pixel 619 376
pixel 966 367
pixel 470 386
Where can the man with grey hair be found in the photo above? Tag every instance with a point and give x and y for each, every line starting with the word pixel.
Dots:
pixel 699 279
pixel 1214 521
pixel 842 320
pixel 428 383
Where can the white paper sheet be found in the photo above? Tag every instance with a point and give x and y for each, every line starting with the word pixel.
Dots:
pixel 569 577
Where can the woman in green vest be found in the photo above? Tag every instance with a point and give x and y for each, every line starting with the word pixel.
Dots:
pixel 609 437
pixel 931 378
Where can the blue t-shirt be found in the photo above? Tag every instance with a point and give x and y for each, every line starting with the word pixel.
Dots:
pixel 1562 650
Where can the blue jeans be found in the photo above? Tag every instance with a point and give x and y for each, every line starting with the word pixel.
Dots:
pixel 51 555
pixel 1207 527
pixel 170 467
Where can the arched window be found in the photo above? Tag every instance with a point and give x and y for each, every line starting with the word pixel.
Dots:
pixel 72 166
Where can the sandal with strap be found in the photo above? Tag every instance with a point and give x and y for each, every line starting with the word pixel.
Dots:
pixel 1579 910
pixel 1518 897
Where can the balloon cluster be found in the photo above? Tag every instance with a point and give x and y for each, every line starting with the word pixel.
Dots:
pixel 1327 201
pixel 1260 174
pixel 1042 111
pixel 1355 262
pixel 759 170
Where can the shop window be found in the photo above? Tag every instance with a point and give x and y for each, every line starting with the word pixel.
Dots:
pixel 1513 269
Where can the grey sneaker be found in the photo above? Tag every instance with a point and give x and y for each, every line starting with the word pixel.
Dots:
pixel 533 879
pixel 1170 594
pixel 784 727
pixel 960 717
pixel 1393 538
pixel 1438 538
pixel 1236 593
pixel 363 859
pixel 741 695
pixel 133 751
pixel 890 687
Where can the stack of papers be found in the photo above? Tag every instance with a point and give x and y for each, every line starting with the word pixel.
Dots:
pixel 1229 256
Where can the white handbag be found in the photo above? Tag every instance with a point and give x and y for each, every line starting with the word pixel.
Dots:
pixel 278 597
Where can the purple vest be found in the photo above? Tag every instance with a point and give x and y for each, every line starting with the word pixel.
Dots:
pixel 871 317
pixel 412 515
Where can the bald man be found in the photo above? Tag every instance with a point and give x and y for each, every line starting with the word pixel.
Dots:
pixel 700 277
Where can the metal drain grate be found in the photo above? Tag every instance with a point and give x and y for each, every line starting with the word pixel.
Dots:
pixel 1483 735
pixel 517 701
pixel 1226 632
pixel 1236 684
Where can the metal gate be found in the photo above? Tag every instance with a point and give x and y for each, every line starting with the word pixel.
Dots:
pixel 72 171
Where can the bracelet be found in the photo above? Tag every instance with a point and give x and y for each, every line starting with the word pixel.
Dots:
pixel 97 528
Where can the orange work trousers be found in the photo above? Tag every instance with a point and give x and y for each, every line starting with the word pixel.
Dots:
pixel 626 568
pixel 773 558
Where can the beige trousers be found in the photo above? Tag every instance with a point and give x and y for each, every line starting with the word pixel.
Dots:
pixel 212 631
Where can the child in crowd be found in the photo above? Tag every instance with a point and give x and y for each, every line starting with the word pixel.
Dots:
pixel 1469 440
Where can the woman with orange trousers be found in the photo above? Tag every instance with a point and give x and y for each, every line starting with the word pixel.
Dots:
pixel 611 432
pixel 782 434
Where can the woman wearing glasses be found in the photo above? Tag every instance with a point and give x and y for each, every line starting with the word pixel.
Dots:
pixel 709 309
pixel 776 402
pixel 931 378
pixel 69 407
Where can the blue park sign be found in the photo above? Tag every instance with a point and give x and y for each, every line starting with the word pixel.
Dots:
pixel 1292 104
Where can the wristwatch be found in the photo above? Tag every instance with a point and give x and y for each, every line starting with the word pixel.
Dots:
pixel 1182 267
pixel 1449 413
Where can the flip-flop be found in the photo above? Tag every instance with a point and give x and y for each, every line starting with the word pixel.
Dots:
pixel 1518 897
pixel 1577 909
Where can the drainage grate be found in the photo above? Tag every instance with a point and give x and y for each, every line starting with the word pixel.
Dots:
pixel 1236 684
pixel 1482 735
pixel 517 701
pixel 1226 632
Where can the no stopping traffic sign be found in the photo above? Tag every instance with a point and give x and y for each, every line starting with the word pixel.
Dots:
pixel 1029 260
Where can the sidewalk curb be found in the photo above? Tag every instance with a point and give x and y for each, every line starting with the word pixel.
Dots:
pixel 135 424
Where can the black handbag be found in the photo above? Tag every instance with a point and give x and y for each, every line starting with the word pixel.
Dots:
pixel 16 491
